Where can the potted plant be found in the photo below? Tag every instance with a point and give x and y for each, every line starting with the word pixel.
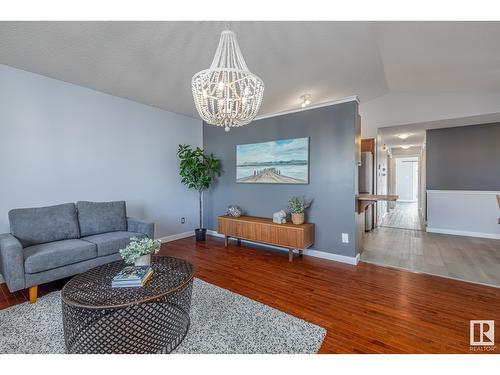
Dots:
pixel 138 251
pixel 197 171
pixel 297 206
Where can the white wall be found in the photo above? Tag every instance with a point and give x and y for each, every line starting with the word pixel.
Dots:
pixel 382 179
pixel 402 108
pixel 422 201
pixel 462 212
pixel 62 143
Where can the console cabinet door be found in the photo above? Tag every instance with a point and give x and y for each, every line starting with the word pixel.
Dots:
pixel 288 237
pixel 262 232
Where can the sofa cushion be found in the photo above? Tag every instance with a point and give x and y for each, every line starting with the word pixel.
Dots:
pixel 101 217
pixel 33 226
pixel 51 255
pixel 111 242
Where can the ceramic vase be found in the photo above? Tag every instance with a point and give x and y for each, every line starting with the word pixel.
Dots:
pixel 143 260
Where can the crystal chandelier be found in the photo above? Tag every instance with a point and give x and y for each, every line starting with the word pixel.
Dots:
pixel 227 94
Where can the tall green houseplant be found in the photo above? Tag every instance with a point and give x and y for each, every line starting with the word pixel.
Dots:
pixel 198 171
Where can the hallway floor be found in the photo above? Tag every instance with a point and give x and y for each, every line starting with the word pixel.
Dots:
pixel 404 215
pixel 464 258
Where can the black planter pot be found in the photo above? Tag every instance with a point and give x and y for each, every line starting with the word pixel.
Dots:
pixel 201 234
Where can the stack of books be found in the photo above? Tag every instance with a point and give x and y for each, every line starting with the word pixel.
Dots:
pixel 132 277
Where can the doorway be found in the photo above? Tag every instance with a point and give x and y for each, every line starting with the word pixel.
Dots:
pixel 404 181
pixel 400 239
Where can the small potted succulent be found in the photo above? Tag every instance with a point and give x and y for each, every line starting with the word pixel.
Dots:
pixel 297 206
pixel 138 251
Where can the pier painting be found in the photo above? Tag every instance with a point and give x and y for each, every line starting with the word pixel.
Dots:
pixel 276 162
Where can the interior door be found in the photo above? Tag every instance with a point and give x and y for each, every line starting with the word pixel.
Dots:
pixel 405 175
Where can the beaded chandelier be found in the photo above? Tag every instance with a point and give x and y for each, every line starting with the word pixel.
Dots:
pixel 227 94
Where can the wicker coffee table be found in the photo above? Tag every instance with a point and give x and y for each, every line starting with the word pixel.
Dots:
pixel 150 319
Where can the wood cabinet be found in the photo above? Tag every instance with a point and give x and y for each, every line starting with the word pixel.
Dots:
pixel 263 230
pixel 368 145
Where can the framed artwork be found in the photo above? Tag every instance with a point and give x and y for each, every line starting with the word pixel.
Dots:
pixel 276 162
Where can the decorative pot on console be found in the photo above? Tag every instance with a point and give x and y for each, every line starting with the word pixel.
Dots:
pixel 297 206
pixel 298 219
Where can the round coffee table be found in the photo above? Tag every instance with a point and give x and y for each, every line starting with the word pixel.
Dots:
pixel 151 319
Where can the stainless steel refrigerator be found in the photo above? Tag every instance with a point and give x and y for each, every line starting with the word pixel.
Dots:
pixel 365 178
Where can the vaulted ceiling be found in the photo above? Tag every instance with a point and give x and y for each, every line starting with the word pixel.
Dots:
pixel 153 62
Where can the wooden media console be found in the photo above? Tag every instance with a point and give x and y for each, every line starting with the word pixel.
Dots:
pixel 265 231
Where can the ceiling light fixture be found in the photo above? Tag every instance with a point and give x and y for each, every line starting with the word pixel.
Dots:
pixel 405 147
pixel 227 94
pixel 306 100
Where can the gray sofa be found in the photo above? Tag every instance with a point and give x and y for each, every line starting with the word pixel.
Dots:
pixel 51 243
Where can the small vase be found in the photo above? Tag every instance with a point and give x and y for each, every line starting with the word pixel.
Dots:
pixel 298 219
pixel 143 260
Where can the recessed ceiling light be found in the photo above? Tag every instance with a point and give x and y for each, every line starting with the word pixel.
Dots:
pixel 403 135
pixel 306 100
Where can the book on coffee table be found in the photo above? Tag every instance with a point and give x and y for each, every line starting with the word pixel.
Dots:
pixel 132 277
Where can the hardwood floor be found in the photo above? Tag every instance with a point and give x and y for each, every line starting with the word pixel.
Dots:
pixel 365 309
pixel 464 258
pixel 8 299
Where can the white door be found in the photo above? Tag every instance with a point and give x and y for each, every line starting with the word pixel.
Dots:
pixel 406 179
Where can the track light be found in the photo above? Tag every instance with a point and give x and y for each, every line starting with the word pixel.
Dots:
pixel 306 100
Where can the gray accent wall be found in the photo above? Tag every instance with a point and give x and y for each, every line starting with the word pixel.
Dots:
pixel 332 175
pixel 62 143
pixel 464 158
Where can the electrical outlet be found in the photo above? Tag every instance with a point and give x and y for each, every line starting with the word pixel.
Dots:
pixel 345 237
pixel 183 220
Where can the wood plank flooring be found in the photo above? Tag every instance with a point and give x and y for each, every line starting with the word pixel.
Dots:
pixel 464 258
pixel 365 309
pixel 404 215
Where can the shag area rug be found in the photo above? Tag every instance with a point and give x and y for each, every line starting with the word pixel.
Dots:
pixel 221 322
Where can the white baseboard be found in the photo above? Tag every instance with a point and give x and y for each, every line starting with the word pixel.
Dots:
pixel 463 233
pixel 336 257
pixel 313 253
pixel 217 234
pixel 177 236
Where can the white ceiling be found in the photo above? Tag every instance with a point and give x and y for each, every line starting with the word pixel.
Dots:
pixel 153 62
pixel 416 132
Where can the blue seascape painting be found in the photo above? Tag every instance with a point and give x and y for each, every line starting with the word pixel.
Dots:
pixel 275 162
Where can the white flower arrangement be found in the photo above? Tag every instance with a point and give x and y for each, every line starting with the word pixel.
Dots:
pixel 139 247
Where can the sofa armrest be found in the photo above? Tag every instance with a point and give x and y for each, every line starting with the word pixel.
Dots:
pixel 135 225
pixel 12 261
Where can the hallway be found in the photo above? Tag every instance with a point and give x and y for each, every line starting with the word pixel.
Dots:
pixel 405 216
